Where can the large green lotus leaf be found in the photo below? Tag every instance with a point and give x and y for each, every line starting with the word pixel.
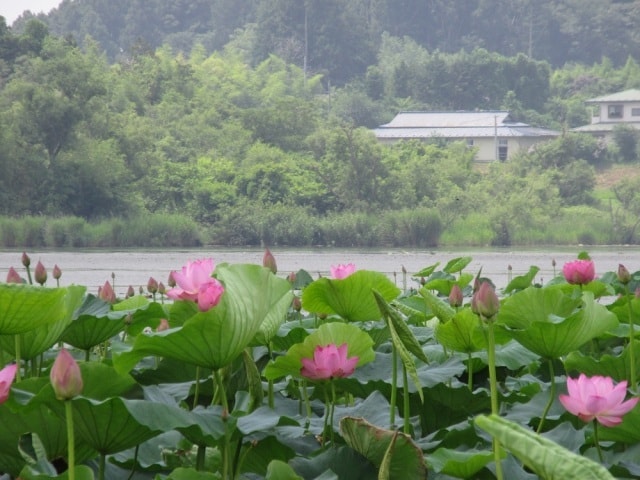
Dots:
pixel 50 428
pixel 532 305
pixel 437 305
pixel 281 292
pixel 459 464
pixel 38 340
pixel 35 342
pixel 96 322
pixel 523 281
pixel 116 424
pixel 457 333
pixel 550 329
pixel 351 297
pixel 279 470
pixel 393 452
pixel 457 264
pixel 546 458
pixel 27 307
pixel 614 366
pixel 444 285
pixel 215 338
pixel 359 344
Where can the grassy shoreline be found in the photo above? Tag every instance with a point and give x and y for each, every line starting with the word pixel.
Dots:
pixel 419 228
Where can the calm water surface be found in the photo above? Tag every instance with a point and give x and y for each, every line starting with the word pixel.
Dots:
pixel 134 267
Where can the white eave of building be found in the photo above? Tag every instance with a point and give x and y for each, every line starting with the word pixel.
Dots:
pixel 631 95
pixel 420 125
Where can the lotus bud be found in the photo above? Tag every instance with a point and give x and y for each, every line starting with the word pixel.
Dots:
pixel 141 290
pixel 152 285
pixel 292 277
pixel 296 304
pixel 455 296
pixel 623 274
pixel 57 273
pixel 163 325
pixel 171 281
pixel 269 261
pixel 485 302
pixel 66 377
pixel 106 293
pixel 161 288
pixel 41 273
pixel 13 276
pixel 130 292
pixel 26 261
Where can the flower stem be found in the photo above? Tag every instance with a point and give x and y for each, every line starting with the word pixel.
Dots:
pixel 491 353
pixel 470 372
pixel 270 393
pixel 305 395
pixel 196 392
pixel 200 457
pixel 632 359
pixel 394 387
pixel 552 396
pixel 17 347
pixel 71 456
pixel 597 441
pixel 405 401
pixel 101 466
pixel 333 406
pixel 225 412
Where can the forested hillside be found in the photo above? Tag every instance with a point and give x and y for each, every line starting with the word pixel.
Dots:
pixel 212 111
pixel 341 38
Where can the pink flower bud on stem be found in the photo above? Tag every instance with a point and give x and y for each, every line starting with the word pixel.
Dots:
pixel 40 273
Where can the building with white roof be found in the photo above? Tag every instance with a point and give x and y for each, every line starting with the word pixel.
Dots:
pixel 611 111
pixel 492 133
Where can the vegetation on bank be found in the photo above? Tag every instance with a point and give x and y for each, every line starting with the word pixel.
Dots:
pixel 164 148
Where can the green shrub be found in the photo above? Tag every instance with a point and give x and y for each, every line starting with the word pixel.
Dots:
pixel 419 228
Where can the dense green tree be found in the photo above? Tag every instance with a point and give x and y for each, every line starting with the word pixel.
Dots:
pixel 626 138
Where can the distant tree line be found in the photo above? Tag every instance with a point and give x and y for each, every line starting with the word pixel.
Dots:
pixel 257 147
pixel 341 38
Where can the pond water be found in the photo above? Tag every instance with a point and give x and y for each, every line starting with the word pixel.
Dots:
pixel 134 267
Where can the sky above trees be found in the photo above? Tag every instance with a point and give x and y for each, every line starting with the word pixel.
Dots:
pixel 12 10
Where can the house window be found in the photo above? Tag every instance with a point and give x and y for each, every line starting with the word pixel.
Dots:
pixel 635 112
pixel 615 111
pixel 503 149
pixel 470 142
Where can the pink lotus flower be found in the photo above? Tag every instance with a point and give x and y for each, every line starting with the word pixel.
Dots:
pixel 596 398
pixel 269 261
pixel 40 273
pixel 195 282
pixel 341 271
pixel 106 293
pixel 485 302
pixel 7 374
pixel 455 296
pixel 579 272
pixel 65 376
pixel 328 362
pixel 13 276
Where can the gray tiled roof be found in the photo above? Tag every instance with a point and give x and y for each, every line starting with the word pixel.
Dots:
pixel 457 125
pixel 448 119
pixel 631 95
pixel 604 127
